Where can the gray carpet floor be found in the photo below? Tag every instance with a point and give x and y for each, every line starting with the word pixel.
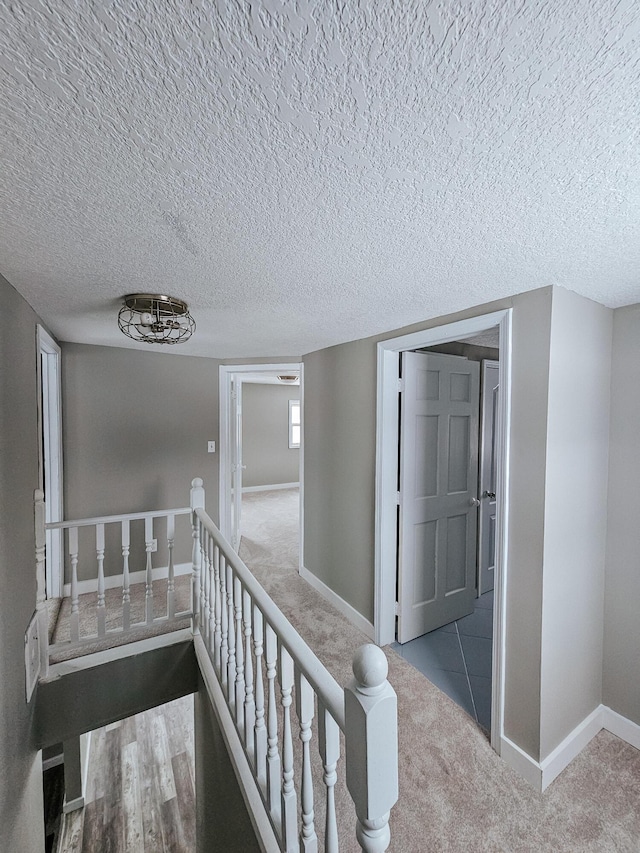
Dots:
pixel 455 793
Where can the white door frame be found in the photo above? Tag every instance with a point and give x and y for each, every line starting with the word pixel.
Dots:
pixel 227 373
pixel 50 453
pixel 387 435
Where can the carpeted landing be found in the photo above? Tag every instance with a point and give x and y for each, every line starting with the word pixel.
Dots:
pixel 455 793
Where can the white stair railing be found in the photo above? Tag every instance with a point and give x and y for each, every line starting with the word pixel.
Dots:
pixel 95 604
pixel 275 688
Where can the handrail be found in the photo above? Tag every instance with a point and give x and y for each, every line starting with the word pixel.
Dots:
pixel 107 519
pixel 314 670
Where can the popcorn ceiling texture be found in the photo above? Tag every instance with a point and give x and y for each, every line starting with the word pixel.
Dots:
pixel 306 173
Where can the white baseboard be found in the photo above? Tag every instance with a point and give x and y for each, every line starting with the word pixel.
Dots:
pixel 339 603
pixel 621 727
pixel 54 761
pixel 571 746
pixel 272 488
pixel 115 581
pixel 540 774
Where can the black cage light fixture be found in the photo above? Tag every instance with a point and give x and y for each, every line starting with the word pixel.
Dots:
pixel 156 319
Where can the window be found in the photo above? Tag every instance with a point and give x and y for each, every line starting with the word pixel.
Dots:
pixel 294 423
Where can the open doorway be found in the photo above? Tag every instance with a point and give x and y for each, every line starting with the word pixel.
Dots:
pixel 420 589
pixel 261 478
pixel 446 517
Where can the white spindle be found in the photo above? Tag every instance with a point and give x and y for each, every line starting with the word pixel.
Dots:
pixel 237 601
pixel 249 702
pixel 74 625
pixel 260 731
pixel 212 597
pixel 204 585
pixel 329 746
pixel 102 610
pixel 148 595
pixel 231 638
pixel 171 581
pixel 217 632
pixel 224 627
pixel 289 799
pixel 371 738
pixel 274 778
pixel 197 502
pixel 126 591
pixel 305 709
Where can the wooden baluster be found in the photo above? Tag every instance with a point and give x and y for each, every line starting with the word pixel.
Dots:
pixel 74 625
pixel 126 591
pixel 260 731
pixel 224 627
pixel 171 581
pixel 217 632
pixel 329 746
pixel 274 778
pixel 371 747
pixel 102 610
pixel 231 657
pixel 289 798
pixel 305 707
pixel 249 702
pixel 237 600
pixel 204 584
pixel 148 595
pixel 197 502
pixel 212 598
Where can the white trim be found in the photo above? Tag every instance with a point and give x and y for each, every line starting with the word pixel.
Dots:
pixel 346 609
pixel 571 746
pixel 127 650
pixel 49 384
pixel 255 807
pixel 387 432
pixel 621 727
pixel 115 581
pixel 73 805
pixel 54 761
pixel 271 488
pixel 541 774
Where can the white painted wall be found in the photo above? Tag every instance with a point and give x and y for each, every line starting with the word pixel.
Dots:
pixel 575 515
pixel 621 670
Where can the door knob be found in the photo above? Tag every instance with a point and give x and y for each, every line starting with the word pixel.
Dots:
pixel 474 502
pixel 490 495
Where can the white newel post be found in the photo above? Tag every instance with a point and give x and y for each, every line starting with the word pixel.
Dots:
pixel 197 502
pixel 41 582
pixel 371 737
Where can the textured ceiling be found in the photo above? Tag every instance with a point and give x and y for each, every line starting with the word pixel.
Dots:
pixel 306 173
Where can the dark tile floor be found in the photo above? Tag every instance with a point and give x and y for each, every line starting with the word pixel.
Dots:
pixel 457 659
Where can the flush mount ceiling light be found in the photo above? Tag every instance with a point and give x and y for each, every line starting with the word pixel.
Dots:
pixel 156 319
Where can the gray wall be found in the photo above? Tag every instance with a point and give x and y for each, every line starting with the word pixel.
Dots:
pixel 621 688
pixel 21 808
pixel 340 427
pixel 575 519
pixel 136 426
pixel 265 435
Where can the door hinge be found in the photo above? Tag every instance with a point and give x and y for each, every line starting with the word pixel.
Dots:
pixel 398 498
pixel 400 386
pixel 396 609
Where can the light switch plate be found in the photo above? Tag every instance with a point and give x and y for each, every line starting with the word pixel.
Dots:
pixel 211 447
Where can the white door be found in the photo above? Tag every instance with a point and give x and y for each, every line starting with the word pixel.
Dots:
pixel 487 482
pixel 236 460
pixel 438 500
